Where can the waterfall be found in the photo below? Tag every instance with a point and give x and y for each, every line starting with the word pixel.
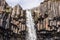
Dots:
pixel 31 35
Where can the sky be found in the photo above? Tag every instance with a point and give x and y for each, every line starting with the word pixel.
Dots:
pixel 25 4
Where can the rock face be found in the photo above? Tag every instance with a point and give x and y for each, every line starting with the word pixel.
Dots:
pixel 49 7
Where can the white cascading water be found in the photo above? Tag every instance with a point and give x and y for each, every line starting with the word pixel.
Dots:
pixel 27 4
pixel 31 35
